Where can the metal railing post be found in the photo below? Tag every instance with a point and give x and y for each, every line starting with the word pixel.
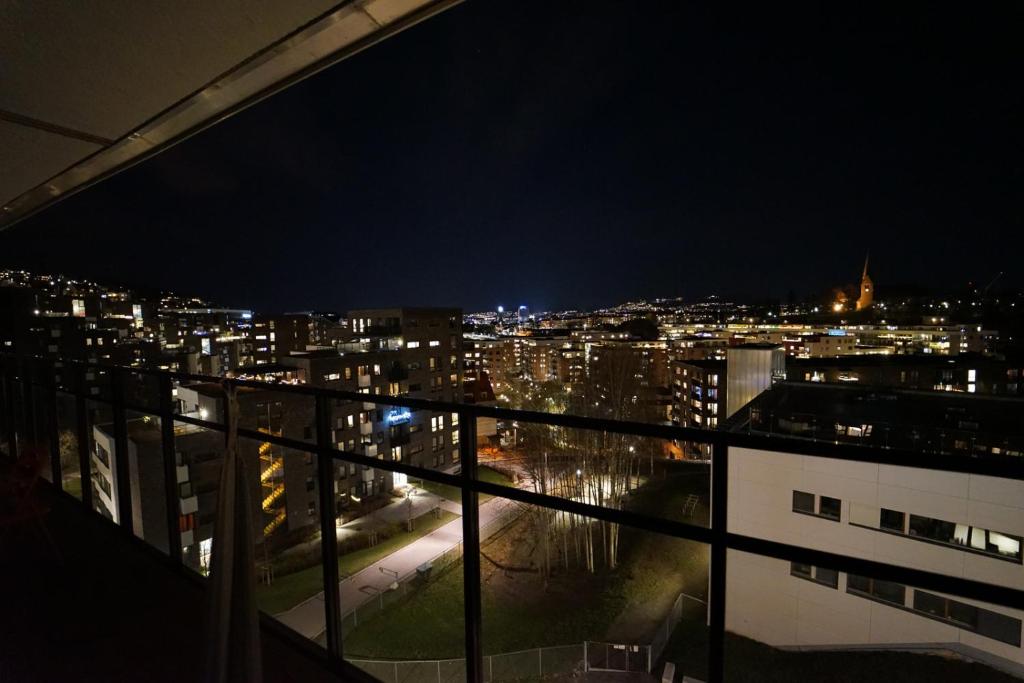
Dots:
pixel 471 548
pixel 29 405
pixel 328 531
pixel 82 428
pixel 172 493
pixel 52 429
pixel 121 471
pixel 719 550
pixel 9 409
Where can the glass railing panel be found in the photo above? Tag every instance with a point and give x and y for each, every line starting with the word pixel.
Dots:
pixel 402 581
pixel 649 476
pixel 565 594
pixel 68 445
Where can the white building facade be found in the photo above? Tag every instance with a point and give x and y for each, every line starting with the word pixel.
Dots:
pixel 962 525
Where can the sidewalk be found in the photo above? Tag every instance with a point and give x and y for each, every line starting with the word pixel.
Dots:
pixel 395 512
pixel 307 618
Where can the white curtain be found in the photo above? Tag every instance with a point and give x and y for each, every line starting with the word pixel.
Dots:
pixel 233 630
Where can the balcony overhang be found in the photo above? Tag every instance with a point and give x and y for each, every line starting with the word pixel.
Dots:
pixel 87 91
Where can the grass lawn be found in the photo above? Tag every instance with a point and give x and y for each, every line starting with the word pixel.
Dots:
pixel 291 589
pixel 519 612
pixel 747 660
pixel 454 494
pixel 73 485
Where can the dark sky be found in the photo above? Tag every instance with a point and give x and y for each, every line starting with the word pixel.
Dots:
pixel 577 154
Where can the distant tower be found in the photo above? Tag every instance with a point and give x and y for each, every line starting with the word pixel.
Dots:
pixel 867 289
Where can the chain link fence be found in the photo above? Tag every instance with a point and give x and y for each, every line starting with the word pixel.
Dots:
pixel 538 662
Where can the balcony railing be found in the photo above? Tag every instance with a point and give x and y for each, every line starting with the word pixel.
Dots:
pixel 30 388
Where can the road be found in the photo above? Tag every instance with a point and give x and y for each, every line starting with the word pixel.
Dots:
pixel 308 618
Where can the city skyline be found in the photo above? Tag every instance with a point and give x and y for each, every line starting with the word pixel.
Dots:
pixel 628 160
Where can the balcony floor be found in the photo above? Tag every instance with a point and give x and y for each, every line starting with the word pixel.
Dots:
pixel 108 610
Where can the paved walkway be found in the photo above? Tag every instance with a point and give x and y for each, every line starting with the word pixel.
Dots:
pixel 395 512
pixel 307 617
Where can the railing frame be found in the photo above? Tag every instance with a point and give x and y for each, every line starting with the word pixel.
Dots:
pixel 18 372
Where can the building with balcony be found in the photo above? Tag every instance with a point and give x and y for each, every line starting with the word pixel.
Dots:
pixel 414 352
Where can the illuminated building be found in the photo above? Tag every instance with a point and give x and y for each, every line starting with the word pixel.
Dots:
pixel 414 352
pixel 867 293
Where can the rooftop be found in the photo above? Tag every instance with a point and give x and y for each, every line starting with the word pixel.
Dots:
pixel 894 418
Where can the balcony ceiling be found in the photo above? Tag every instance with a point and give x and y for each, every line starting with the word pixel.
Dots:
pixel 87 89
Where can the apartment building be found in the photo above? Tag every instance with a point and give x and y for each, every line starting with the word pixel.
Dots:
pixel 283 490
pixel 970 373
pixel 633 371
pixel 964 525
pixel 414 352
pixel 542 360
pixel 499 358
pixel 699 390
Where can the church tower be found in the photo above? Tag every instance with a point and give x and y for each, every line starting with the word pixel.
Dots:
pixel 867 289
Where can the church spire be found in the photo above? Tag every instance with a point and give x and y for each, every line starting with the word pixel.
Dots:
pixel 867 296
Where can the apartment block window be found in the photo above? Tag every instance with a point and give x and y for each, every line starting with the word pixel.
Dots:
pixel 455 420
pixel 348 373
pixel 455 438
pixel 311 509
pixel 826 577
pixel 886 591
pixel 310 483
pixel 412 345
pixel 828 508
pixel 803 502
pixel 981 621
pixel 891 520
pixel 436 423
pixel 434 363
pixel 434 342
pixel 994 543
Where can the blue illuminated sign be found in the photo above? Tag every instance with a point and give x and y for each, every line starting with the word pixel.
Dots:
pixel 837 333
pixel 399 416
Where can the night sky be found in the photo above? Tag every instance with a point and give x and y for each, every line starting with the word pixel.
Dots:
pixel 579 154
